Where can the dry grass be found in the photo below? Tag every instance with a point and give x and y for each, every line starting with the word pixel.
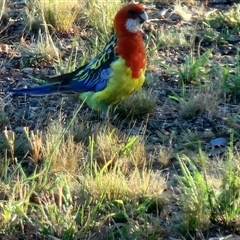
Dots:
pixel 138 104
pixel 40 50
pixel 198 102
pixel 160 2
pixel 61 151
pixel 45 11
pixel 103 11
pixel 2 8
pixel 113 167
pixel 165 38
pixel 183 12
pixel 163 155
pixel 115 185
pixel 112 147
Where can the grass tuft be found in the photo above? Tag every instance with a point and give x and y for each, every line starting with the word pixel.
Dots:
pixel 136 105
pixel 39 52
pixel 45 11
pixel 97 9
pixel 194 68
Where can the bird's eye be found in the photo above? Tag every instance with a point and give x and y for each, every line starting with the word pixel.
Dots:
pixel 131 12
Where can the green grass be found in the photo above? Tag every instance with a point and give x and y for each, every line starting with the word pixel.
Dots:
pixel 227 20
pixel 209 194
pixel 194 68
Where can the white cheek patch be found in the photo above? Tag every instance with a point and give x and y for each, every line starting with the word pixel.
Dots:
pixel 133 25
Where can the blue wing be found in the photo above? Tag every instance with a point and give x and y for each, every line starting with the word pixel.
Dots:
pixel 94 81
pixel 93 76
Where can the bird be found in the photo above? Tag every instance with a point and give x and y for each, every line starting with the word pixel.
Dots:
pixel 117 72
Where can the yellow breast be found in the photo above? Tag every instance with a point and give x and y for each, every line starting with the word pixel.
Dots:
pixel 120 85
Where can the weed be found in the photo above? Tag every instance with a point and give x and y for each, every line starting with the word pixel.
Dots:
pixel 193 70
pixel 196 212
pixel 197 102
pixel 3 116
pixel 229 79
pixel 208 34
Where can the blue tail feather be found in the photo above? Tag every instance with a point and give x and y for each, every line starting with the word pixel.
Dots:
pixel 42 90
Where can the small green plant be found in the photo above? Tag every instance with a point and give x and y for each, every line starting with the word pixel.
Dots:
pixel 230 79
pixel 197 198
pixel 188 108
pixel 216 20
pixel 194 69
pixel 190 142
pixel 229 197
pixel 132 213
pixel 208 34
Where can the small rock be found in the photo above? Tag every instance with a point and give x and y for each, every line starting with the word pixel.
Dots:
pixel 218 142
pixel 233 39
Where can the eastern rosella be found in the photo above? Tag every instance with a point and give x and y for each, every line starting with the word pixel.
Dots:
pixel 115 73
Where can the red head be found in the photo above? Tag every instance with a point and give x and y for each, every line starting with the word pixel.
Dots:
pixel 129 19
pixel 130 46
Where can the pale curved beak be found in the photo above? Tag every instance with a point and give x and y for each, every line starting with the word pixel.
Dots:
pixel 143 17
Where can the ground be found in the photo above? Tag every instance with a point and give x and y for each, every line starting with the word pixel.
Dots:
pixel 173 124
